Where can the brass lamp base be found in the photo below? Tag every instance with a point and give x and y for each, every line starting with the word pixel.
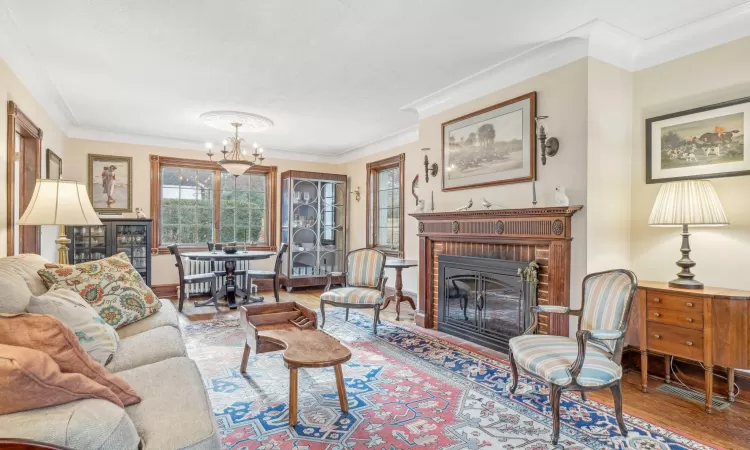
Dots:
pixel 685 279
pixel 62 251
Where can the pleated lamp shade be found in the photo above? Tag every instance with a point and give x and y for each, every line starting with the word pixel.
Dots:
pixel 59 202
pixel 692 202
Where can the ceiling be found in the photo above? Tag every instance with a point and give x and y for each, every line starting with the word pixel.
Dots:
pixel 331 74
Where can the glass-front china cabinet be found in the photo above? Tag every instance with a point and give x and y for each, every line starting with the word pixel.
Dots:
pixel 313 224
pixel 131 236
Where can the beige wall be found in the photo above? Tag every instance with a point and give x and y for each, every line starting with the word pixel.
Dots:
pixel 722 254
pixel 11 88
pixel 561 94
pixel 610 113
pixel 163 270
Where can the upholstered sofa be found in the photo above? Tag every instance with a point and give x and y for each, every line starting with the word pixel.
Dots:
pixel 174 412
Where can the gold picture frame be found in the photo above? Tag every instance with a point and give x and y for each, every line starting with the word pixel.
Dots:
pixel 110 191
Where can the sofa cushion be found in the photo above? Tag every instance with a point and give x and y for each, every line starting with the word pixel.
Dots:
pixel 97 337
pixel 174 399
pixel 111 285
pixel 166 316
pixel 31 379
pixel 26 266
pixel 14 292
pixel 82 424
pixel 148 347
pixel 47 334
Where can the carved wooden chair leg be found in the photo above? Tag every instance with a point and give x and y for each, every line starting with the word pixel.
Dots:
pixel 513 374
pixel 583 396
pixel 554 397
pixel 376 320
pixel 617 396
pixel 245 356
pixel 213 294
pixel 182 295
pixel 346 318
pixel 276 288
pixel 323 313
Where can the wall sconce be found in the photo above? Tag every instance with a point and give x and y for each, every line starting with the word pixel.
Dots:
pixel 549 146
pixel 429 169
pixel 357 195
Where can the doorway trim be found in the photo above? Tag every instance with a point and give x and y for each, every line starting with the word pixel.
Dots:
pixel 18 122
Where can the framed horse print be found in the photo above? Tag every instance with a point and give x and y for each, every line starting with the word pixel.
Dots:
pixel 705 142
pixel 110 183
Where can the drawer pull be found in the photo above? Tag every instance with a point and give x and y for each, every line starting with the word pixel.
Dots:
pixel 690 344
pixel 690 320
pixel 657 314
pixel 657 336
pixel 657 300
pixel 689 304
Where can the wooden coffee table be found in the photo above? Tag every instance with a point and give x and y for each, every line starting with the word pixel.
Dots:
pixel 292 328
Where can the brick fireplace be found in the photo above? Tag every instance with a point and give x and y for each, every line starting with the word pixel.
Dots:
pixel 522 235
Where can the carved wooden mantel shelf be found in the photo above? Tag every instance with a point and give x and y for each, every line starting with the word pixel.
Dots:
pixel 531 234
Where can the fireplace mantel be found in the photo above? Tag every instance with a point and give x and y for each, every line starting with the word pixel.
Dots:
pixel 531 234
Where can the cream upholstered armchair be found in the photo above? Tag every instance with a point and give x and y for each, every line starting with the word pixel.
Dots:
pixel 591 360
pixel 364 286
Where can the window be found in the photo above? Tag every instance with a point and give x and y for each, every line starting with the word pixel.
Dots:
pixel 385 216
pixel 195 202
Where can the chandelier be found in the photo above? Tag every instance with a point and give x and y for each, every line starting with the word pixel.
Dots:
pixel 234 160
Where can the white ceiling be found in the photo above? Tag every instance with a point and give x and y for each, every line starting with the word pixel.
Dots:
pixel 331 74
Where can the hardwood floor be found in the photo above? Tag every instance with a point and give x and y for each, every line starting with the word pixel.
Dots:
pixel 729 429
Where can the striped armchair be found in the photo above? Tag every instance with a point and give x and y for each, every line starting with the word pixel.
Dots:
pixel 591 360
pixel 364 286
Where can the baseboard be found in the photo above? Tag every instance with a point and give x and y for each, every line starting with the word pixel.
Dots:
pixel 165 290
pixel 170 290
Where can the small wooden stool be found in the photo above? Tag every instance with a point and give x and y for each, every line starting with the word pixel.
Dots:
pixel 292 327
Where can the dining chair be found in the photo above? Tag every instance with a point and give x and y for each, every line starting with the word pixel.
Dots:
pixel 591 360
pixel 253 274
pixel 364 285
pixel 185 280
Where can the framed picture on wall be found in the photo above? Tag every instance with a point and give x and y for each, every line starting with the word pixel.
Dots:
pixel 110 183
pixel 494 145
pixel 54 166
pixel 705 142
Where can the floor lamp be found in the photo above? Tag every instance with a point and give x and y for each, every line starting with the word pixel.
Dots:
pixel 60 202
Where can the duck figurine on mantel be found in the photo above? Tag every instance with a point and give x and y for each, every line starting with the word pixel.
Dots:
pixel 487 204
pixel 561 199
pixel 466 207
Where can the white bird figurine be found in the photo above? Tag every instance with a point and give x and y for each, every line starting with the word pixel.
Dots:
pixel 466 206
pixel 139 214
pixel 488 204
pixel 420 206
pixel 560 198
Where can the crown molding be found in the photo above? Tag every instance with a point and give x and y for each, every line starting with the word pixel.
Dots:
pixel 95 134
pixel 20 60
pixel 597 39
pixel 397 139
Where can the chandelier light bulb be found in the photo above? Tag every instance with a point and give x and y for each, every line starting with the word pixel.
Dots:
pixel 255 145
pixel 260 150
pixel 224 142
pixel 209 145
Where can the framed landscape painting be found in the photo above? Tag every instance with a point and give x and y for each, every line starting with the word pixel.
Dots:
pixel 706 142
pixel 495 145
pixel 110 183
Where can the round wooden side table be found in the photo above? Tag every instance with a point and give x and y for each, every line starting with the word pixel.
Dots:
pixel 399 265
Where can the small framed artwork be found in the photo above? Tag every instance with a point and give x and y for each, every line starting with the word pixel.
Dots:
pixel 495 145
pixel 54 166
pixel 110 183
pixel 706 142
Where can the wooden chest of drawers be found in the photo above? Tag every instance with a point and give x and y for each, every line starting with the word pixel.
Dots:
pixel 709 325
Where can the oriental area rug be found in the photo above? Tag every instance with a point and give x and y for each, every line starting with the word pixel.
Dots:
pixel 406 390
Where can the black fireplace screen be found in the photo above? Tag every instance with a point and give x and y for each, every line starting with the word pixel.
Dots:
pixel 483 300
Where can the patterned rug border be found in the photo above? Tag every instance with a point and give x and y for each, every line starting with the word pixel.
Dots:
pixel 364 322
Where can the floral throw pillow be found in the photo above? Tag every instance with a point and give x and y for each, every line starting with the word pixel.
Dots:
pixel 110 285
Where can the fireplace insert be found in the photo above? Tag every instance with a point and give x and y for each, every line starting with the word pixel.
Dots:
pixel 484 300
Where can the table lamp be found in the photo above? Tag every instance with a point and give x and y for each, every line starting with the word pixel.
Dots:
pixel 60 202
pixel 683 203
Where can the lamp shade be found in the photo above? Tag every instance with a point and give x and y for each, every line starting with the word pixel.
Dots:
pixel 692 202
pixel 59 202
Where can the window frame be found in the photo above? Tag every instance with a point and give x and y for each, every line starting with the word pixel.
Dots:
pixel 160 162
pixel 373 170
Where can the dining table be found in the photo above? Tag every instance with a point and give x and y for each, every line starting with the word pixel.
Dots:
pixel 230 289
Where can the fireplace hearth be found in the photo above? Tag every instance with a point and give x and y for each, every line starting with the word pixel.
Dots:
pixel 484 300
